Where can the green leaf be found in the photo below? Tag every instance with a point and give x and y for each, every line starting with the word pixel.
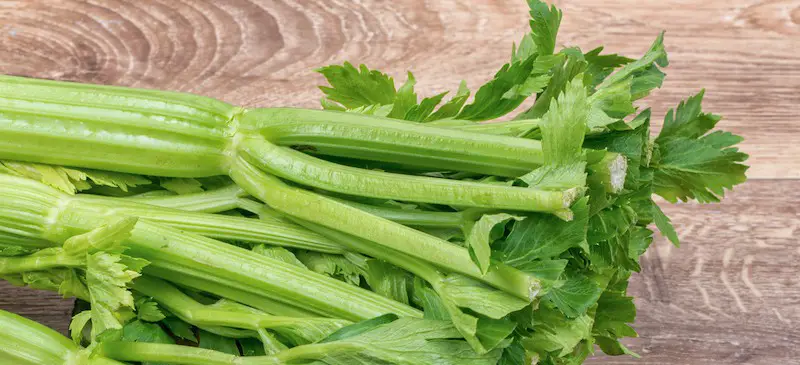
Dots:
pixel 359 328
pixel 138 331
pixel 557 177
pixel 354 88
pixel 646 81
pixel 690 163
pixel 600 66
pixel 511 85
pixel 490 102
pixel 112 179
pixel 640 239
pixel 388 280
pixel 71 180
pixel 11 250
pixel 665 225
pixel 612 346
pixel 611 222
pixel 575 295
pixel 405 99
pixel 335 266
pixel 527 73
pixel 180 329
pixel 525 50
pixel 489 228
pixel 555 333
pixel 614 311
pixel 330 105
pixel 514 354
pixel 251 347
pixel 216 342
pixel 656 55
pixel 107 279
pixel 107 237
pixel 487 328
pixel 480 298
pixel 544 23
pixel 147 310
pixel 543 236
pixel 376 110
pixel 421 112
pixel 688 120
pixel 699 169
pixel 182 186
pixel 564 68
pixel 61 280
pixel 563 129
pixel 532 85
pixel 621 251
pixel 278 253
pixel 610 104
pixel 77 326
pixel 452 107
pixel 433 306
pixel 548 271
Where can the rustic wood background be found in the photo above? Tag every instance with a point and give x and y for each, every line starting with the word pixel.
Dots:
pixel 730 295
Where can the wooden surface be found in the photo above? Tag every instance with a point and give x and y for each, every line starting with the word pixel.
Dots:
pixel 730 295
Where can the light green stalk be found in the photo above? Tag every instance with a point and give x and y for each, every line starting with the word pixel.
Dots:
pixel 211 225
pixel 229 314
pixel 178 254
pixel 387 140
pixel 25 342
pixel 305 169
pixel 170 134
pixel 329 213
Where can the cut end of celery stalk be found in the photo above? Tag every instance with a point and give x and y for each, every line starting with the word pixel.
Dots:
pixel 534 289
pixel 618 167
pixel 570 196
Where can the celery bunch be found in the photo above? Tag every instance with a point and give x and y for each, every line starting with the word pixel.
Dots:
pixel 384 229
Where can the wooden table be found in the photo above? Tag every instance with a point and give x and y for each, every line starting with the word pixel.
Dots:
pixel 730 295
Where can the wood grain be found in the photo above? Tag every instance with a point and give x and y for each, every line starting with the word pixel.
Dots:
pixel 261 53
pixel 730 295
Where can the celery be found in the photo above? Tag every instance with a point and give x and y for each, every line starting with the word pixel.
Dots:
pixel 194 256
pixel 516 238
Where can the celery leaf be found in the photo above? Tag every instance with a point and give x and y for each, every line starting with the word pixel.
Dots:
pixel 488 229
pixel 353 88
pixel 691 163
pixel 71 180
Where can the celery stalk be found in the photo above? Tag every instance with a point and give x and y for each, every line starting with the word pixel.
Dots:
pixel 215 226
pixel 329 213
pixel 388 140
pixel 112 128
pixel 171 249
pixel 304 169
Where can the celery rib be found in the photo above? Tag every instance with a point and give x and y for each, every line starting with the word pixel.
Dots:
pixel 329 213
pixel 382 139
pixel 305 169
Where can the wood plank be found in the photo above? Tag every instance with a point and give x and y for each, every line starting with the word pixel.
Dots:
pixel 41 306
pixel 261 53
pixel 730 295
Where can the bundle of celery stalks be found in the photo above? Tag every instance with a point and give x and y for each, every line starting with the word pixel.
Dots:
pixel 385 229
